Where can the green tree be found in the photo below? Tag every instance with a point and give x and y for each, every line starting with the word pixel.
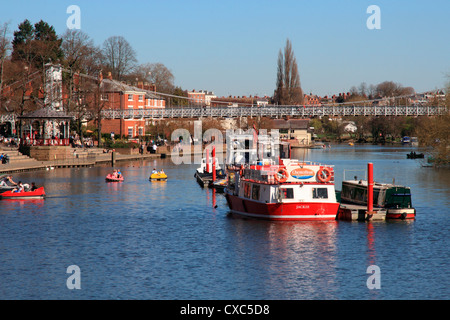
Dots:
pixel 36 45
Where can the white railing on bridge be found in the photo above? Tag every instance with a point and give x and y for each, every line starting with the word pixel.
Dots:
pixel 273 111
pixel 264 111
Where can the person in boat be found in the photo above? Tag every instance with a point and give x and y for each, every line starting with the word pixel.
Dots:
pixel 119 174
pixel 33 187
pixel 162 171
pixel 154 171
pixel 19 187
pixel 5 181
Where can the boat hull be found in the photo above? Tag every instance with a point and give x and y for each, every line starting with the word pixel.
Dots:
pixel 158 177
pixel 5 189
pixel 111 178
pixel 402 213
pixel 293 211
pixel 37 194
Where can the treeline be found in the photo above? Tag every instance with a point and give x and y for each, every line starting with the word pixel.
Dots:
pixel 367 128
pixel 25 51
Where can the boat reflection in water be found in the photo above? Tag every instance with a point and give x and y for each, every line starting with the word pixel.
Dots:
pixel 289 256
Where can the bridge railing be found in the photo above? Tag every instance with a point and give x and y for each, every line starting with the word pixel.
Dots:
pixel 273 111
pixel 264 111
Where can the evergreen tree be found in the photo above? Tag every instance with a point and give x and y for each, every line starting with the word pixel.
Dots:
pixel 36 45
pixel 288 91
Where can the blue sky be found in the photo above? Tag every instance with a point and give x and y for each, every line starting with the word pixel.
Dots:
pixel 231 47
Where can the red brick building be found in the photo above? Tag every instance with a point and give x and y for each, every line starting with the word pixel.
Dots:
pixel 119 96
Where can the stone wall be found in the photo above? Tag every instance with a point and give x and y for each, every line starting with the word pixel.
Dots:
pixel 47 153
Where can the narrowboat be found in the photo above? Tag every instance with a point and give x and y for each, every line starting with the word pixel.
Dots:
pixel 396 199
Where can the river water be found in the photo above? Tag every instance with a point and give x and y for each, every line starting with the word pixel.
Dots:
pixel 174 240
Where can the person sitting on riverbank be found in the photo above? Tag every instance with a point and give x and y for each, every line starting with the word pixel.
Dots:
pixel 5 159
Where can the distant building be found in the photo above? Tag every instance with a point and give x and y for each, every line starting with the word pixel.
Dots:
pixel 350 126
pixel 294 129
pixel 119 96
pixel 201 97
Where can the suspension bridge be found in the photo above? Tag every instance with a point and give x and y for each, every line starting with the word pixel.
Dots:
pixel 361 108
pixel 273 111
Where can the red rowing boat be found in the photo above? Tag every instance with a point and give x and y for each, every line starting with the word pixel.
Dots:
pixel 39 193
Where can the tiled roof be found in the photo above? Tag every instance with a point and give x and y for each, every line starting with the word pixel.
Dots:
pixel 109 85
pixel 290 124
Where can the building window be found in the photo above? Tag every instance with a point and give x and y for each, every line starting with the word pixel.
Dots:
pixel 320 193
pixel 141 97
pixel 141 131
pixel 130 132
pixel 104 97
pixel 130 97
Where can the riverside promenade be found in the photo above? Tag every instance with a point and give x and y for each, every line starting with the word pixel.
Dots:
pixel 79 158
pixel 22 163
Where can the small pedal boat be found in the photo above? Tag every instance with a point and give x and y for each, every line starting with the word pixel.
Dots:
pixel 112 178
pixel 39 193
pixel 158 177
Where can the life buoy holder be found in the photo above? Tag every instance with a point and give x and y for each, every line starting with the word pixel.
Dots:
pixel 282 175
pixel 324 172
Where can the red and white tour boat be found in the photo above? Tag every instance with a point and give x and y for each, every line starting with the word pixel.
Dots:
pixel 289 190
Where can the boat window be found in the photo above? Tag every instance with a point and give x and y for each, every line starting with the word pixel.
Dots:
pixel 320 193
pixel 247 189
pixel 255 192
pixel 287 193
pixel 398 198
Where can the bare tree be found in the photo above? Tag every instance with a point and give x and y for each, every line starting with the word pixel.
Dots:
pixel 157 74
pixel 4 48
pixel 80 53
pixel 119 57
pixel 288 89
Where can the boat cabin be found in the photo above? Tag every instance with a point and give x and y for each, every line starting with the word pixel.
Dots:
pixel 384 195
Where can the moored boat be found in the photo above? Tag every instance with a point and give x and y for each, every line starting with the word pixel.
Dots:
pixel 395 199
pixel 39 193
pixel 204 173
pixel 290 190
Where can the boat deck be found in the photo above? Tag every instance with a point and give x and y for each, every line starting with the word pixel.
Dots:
pixel 354 212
